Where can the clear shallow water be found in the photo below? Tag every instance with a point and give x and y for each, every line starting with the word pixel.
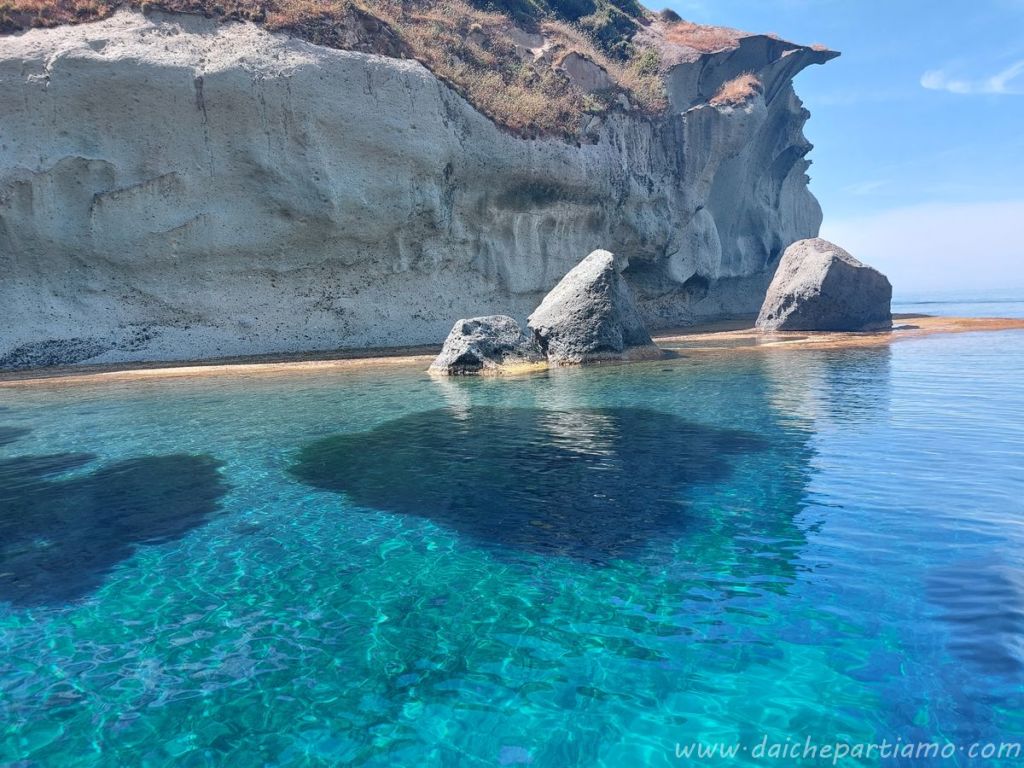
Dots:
pixel 981 304
pixel 582 568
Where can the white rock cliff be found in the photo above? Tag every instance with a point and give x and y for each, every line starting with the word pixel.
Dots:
pixel 172 188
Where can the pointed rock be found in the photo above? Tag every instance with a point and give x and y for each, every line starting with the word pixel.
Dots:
pixel 591 316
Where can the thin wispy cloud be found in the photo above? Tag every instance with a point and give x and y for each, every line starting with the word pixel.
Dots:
pixel 849 97
pixel 866 187
pixel 1009 81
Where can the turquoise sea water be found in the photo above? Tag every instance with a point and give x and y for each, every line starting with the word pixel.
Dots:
pixel 979 304
pixel 586 567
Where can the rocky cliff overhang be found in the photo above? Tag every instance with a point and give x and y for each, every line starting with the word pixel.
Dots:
pixel 176 188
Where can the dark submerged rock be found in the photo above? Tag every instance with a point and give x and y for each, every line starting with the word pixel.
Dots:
pixel 60 536
pixel 590 483
pixel 10 434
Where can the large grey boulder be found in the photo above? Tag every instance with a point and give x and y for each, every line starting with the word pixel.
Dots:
pixel 485 345
pixel 591 316
pixel 820 287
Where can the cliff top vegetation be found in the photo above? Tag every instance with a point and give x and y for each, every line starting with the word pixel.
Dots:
pixel 512 59
pixel 737 91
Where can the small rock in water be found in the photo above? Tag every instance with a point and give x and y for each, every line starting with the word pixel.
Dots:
pixel 591 316
pixel 820 287
pixel 485 345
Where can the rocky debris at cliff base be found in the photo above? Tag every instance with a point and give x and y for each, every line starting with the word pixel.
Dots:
pixel 49 352
pixel 491 344
pixel 820 287
pixel 591 316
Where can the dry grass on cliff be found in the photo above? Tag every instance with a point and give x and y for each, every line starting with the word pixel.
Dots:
pixel 737 91
pixel 706 39
pixel 472 50
pixel 639 77
pixel 22 14
pixel 17 15
pixel 476 52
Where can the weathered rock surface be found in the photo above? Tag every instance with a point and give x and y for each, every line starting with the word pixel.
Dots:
pixel 174 188
pixel 820 287
pixel 586 74
pixel 485 345
pixel 591 316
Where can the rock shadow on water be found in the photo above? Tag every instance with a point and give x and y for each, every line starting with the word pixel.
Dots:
pixel 9 435
pixel 593 484
pixel 982 604
pixel 60 537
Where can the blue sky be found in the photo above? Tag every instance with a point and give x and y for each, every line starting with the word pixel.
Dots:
pixel 918 130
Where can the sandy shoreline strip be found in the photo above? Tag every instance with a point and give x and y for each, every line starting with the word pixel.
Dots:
pixel 717 337
pixel 904 327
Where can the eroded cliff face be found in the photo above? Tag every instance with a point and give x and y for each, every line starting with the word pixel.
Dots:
pixel 172 188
